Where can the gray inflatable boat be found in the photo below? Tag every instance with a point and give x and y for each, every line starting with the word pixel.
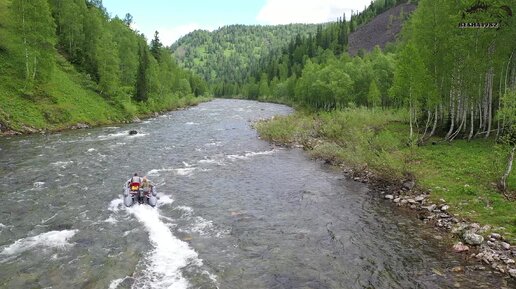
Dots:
pixel 140 197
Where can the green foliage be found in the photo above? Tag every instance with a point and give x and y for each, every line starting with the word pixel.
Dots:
pixel 462 173
pixel 112 66
pixel 156 47
pixel 374 97
pixel 142 78
pixel 33 25
pixel 230 53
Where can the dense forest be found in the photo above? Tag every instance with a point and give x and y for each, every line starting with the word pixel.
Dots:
pixel 452 68
pixel 436 109
pixel 455 81
pixel 229 53
pixel 40 39
pixel 278 71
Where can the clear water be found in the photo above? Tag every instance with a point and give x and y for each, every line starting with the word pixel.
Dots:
pixel 234 212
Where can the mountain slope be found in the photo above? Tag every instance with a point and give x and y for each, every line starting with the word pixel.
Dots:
pixel 383 29
pixel 228 53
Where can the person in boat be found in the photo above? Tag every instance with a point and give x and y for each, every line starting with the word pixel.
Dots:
pixel 146 186
pixel 134 183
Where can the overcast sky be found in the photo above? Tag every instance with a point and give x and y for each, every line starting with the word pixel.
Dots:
pixel 175 18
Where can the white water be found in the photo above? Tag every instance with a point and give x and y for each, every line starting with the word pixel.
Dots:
pixel 169 256
pixel 248 155
pixel 178 171
pixel 52 239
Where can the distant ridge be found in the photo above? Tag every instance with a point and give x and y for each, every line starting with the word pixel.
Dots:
pixel 383 29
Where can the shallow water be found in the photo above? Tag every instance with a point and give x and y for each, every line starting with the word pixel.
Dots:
pixel 234 212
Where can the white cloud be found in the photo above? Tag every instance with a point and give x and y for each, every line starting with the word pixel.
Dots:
pixel 168 35
pixel 171 34
pixel 307 11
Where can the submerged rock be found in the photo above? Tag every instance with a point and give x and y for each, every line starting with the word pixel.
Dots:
pixel 472 238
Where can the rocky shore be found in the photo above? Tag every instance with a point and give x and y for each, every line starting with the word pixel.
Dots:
pixel 478 242
pixel 5 131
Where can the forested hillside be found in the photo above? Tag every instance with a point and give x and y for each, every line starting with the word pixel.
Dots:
pixel 438 108
pixel 65 62
pixel 229 53
pixel 290 74
pixel 455 81
pixel 380 31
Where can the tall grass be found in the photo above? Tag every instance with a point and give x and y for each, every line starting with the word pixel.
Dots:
pixel 463 173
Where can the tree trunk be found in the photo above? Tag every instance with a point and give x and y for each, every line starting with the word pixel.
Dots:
pixel 503 181
pixel 27 70
pixel 410 120
pixel 480 123
pixel 34 68
pixel 424 137
pixel 434 127
pixel 456 133
pixel 500 95
pixel 472 119
pixel 490 101
pixel 452 116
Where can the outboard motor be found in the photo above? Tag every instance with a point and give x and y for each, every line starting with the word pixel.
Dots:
pixel 132 191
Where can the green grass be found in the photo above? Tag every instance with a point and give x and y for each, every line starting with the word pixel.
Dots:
pixel 463 173
pixel 70 98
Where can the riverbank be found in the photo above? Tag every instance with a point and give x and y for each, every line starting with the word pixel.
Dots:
pixel 71 101
pixel 454 181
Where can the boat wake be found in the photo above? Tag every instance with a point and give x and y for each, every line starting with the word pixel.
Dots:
pixel 163 265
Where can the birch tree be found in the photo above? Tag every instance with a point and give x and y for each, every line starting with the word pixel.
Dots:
pixel 33 22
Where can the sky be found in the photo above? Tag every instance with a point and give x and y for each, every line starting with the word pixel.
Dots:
pixel 175 18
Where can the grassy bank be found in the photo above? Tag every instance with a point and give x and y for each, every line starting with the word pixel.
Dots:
pixel 463 173
pixel 68 99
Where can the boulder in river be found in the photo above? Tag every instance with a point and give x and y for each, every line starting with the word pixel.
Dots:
pixel 472 238
pixel 133 132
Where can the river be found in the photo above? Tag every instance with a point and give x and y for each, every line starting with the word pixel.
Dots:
pixel 234 212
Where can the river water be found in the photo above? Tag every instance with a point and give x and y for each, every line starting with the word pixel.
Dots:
pixel 234 212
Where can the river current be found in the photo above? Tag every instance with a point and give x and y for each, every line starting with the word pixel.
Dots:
pixel 234 212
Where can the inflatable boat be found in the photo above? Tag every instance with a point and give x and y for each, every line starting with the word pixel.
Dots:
pixel 136 195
